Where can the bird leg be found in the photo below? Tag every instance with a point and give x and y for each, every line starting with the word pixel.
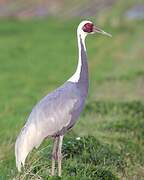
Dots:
pixel 54 155
pixel 57 155
pixel 60 155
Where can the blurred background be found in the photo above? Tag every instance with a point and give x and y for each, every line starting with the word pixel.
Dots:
pixel 38 52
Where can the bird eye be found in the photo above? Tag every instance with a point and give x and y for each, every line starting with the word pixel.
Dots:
pixel 88 27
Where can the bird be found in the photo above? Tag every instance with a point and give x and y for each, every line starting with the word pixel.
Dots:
pixel 58 111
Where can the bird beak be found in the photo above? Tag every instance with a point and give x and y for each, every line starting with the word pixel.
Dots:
pixel 98 30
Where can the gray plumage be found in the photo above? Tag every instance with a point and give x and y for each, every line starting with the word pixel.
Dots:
pixel 54 114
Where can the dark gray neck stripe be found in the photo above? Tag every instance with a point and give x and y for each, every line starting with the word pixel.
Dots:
pixel 83 79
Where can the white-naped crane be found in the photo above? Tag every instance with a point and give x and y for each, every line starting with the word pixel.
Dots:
pixel 57 112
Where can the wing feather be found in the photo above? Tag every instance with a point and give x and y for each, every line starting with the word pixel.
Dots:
pixel 52 114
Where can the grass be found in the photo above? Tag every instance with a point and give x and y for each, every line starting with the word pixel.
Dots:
pixel 111 128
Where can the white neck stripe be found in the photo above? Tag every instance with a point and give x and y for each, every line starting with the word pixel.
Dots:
pixel 81 38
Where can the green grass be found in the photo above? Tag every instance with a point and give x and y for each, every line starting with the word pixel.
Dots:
pixel 36 56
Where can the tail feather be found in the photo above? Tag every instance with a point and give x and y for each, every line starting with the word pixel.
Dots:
pixel 25 142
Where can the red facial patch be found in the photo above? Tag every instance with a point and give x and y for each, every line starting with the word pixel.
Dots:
pixel 88 27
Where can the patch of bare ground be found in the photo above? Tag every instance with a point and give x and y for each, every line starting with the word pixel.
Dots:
pixel 31 8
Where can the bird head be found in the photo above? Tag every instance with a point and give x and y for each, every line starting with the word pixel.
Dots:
pixel 87 27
